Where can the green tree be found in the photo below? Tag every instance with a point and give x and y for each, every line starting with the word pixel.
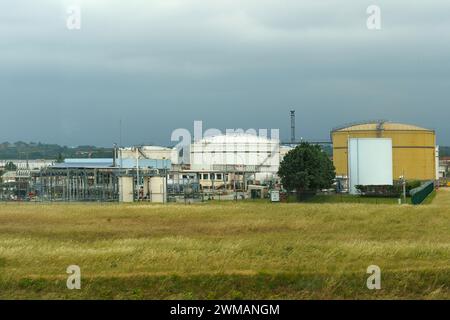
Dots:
pixel 10 166
pixel 306 169
pixel 60 158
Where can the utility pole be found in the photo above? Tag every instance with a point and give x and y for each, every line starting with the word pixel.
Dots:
pixel 137 173
pixel 234 185
pixel 404 186
pixel 114 155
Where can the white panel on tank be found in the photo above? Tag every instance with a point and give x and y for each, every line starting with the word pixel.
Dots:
pixel 369 162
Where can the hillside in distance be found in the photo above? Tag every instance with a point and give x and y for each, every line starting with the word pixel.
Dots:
pixel 38 150
pixel 32 151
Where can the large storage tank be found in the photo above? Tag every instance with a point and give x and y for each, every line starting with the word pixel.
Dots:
pixel 413 147
pixel 237 150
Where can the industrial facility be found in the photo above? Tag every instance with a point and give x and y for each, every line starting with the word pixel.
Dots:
pixel 222 166
pixel 227 166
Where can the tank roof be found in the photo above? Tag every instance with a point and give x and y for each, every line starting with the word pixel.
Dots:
pixel 379 125
pixel 238 138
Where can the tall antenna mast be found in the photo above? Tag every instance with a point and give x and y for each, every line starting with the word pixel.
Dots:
pixel 292 126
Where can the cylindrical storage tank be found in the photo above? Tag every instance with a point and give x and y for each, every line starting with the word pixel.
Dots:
pixel 126 189
pixel 413 148
pixel 236 150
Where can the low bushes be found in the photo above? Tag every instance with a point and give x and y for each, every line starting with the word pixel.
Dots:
pixel 389 191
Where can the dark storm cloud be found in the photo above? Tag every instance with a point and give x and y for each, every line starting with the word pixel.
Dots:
pixel 160 65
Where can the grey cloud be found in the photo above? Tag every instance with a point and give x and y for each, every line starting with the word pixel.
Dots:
pixel 159 65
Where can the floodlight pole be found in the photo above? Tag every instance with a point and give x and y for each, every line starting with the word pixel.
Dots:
pixel 404 186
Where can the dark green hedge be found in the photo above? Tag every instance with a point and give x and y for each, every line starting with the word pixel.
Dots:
pixel 419 194
pixel 388 191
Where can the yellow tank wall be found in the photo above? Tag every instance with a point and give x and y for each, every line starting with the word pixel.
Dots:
pixel 413 152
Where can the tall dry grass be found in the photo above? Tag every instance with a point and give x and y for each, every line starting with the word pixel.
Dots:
pixel 225 250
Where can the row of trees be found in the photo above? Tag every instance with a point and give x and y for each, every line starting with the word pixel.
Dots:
pixel 23 150
pixel 10 166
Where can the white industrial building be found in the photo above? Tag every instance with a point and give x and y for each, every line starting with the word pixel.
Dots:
pixel 28 164
pixel 238 152
pixel 219 162
pixel 149 152
pixel 284 151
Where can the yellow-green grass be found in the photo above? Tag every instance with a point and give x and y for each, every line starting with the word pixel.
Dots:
pixel 225 250
pixel 346 198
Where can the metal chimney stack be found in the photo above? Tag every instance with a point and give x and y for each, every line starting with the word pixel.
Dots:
pixel 292 126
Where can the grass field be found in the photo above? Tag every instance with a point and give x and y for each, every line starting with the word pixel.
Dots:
pixel 226 250
pixel 346 198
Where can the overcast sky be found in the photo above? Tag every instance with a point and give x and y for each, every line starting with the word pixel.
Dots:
pixel 158 65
